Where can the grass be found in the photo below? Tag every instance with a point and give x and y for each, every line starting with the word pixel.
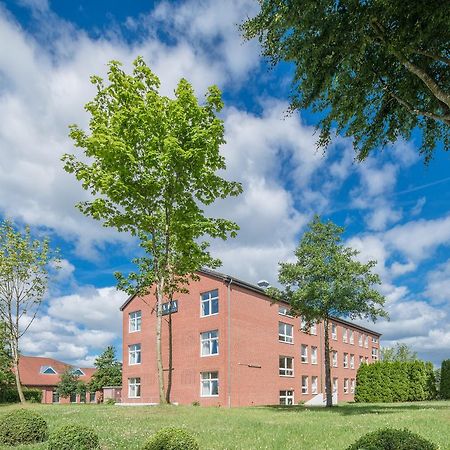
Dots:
pixel 279 428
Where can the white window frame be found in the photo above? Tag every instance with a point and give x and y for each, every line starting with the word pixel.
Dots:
pixel 304 353
pixel 374 340
pixel 334 358
pixel 134 353
pixel 360 339
pixel 207 337
pixel 334 332
pixel 374 353
pixel 314 354
pixel 352 386
pixel 134 321
pixel 209 300
pixel 288 397
pixel 345 335
pixel 361 360
pixel 305 384
pixel 314 384
pixel 44 369
pixel 366 341
pixel 209 379
pixel 345 360
pixel 313 329
pixel 284 311
pixel 351 337
pixel 352 361
pixel 283 366
pixel 133 383
pixel 366 360
pixel 335 385
pixel 283 335
pixel 346 391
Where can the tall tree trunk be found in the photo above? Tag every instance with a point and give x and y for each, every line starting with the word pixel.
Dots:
pixel 169 377
pixel 328 387
pixel 15 355
pixel 159 362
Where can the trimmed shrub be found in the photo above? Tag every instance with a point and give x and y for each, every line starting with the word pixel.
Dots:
pixel 444 388
pixel 392 439
pixel 172 439
pixel 22 427
pixel 73 437
pixel 386 381
pixel 10 395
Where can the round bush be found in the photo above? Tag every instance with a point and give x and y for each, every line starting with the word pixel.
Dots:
pixel 172 439
pixel 391 439
pixel 22 427
pixel 73 437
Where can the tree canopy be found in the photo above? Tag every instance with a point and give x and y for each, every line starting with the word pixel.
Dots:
pixel 109 371
pixel 399 353
pixel 70 384
pixel 326 281
pixel 374 69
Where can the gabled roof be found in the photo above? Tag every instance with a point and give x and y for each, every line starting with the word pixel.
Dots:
pixel 255 288
pixel 31 373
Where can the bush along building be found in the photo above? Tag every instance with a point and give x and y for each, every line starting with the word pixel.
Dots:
pixel 232 346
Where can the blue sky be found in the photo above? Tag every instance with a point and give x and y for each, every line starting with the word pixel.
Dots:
pixel 395 209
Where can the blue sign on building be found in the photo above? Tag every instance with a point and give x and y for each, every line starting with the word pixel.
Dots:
pixel 169 307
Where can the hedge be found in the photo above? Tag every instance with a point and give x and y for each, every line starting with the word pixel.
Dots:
pixel 172 438
pixel 22 427
pixel 386 382
pixel 73 437
pixel 390 438
pixel 444 388
pixel 10 395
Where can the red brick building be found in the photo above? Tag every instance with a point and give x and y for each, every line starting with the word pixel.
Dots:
pixel 233 347
pixel 45 373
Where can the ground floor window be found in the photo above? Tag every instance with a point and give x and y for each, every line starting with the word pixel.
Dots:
pixel 55 396
pixel 345 385
pixel 92 397
pixel 134 387
pixel 73 398
pixel 352 385
pixel 83 397
pixel 335 385
pixel 209 384
pixel 286 397
pixel 304 384
pixel 314 383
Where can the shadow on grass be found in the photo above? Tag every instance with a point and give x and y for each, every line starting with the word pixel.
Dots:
pixel 351 409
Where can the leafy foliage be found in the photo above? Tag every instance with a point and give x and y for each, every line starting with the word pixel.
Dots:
pixel 388 382
pixel 444 389
pixel 375 68
pixel 326 280
pixel 10 395
pixel 22 427
pixel 390 439
pixel 172 439
pixel 70 384
pixel 109 371
pixel 6 362
pixel 401 353
pixel 73 437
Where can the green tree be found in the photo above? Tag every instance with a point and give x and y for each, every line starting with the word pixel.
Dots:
pixel 6 362
pixel 325 281
pixel 24 276
pixel 109 371
pixel 399 353
pixel 70 383
pixel 375 69
pixel 153 164
pixel 444 388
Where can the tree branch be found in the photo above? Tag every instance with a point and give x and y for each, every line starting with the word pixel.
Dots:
pixel 439 58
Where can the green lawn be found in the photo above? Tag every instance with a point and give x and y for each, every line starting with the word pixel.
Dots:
pixel 280 428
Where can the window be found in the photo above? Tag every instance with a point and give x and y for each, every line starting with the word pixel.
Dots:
pixel 345 385
pixel 304 353
pixel 55 396
pixel 314 384
pixel 303 325
pixel 344 334
pixel 334 331
pixel 352 361
pixel 135 320
pixel 374 353
pixel 360 339
pixel 209 384
pixel 286 366
pixel 351 337
pixel 352 385
pixel 335 359
pixel 367 360
pixel 285 332
pixel 134 354
pixel 286 397
pixel 335 385
pixel 313 355
pixel 73 397
pixel 374 340
pixel 304 384
pixel 78 372
pixel 134 387
pixel 361 360
pixel 209 343
pixel 210 303
pixel 83 397
pixel 313 329
pixel 345 360
pixel 48 370
pixel 284 311
pixel 92 397
pixel 366 341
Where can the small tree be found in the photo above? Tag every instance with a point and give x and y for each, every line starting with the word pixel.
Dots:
pixel 24 269
pixel 399 353
pixel 152 166
pixel 326 281
pixel 6 362
pixel 444 389
pixel 108 373
pixel 70 384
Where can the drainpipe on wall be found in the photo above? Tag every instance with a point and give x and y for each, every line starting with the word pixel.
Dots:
pixel 230 280
pixel 322 362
